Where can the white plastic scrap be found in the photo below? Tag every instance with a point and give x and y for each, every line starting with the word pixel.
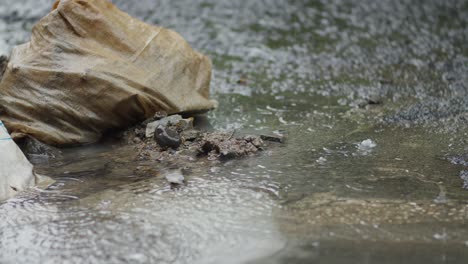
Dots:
pixel 321 160
pixel 442 236
pixel 366 145
pixel 16 173
pixel 175 177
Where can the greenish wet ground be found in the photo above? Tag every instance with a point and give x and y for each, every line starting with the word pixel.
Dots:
pixel 307 69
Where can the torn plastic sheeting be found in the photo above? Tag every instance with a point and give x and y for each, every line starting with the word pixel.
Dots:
pixel 16 173
pixel 90 68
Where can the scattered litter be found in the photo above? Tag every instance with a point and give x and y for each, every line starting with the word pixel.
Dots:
pixel 282 121
pixel 366 145
pixel 321 160
pixel 175 177
pixel 442 236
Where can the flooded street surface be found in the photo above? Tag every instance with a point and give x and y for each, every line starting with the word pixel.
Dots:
pixel 330 75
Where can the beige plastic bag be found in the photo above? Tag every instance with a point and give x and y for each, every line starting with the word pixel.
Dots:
pixel 90 67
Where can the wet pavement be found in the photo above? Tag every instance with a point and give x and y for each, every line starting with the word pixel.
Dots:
pixel 329 74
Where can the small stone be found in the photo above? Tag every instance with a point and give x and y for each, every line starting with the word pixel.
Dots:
pixel 175 177
pixel 159 115
pixel 374 99
pixel 139 132
pixel 136 140
pixel 211 141
pixel 228 152
pixel 191 152
pixel 184 124
pixel 151 128
pixel 255 140
pixel 190 135
pixel 167 121
pixel 386 81
pixel 167 137
pixel 225 146
pixel 242 81
pixel 235 148
pixel 360 103
pixel 277 139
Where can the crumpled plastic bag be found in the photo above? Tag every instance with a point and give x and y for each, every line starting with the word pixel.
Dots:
pixel 90 68
pixel 16 173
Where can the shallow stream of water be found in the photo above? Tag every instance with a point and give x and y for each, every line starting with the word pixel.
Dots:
pixel 306 69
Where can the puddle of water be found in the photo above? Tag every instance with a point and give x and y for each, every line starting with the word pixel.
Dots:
pixel 275 204
pixel 99 207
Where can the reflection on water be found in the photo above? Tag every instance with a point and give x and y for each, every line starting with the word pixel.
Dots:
pixel 94 214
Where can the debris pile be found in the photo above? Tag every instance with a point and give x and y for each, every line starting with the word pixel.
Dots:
pixel 171 137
